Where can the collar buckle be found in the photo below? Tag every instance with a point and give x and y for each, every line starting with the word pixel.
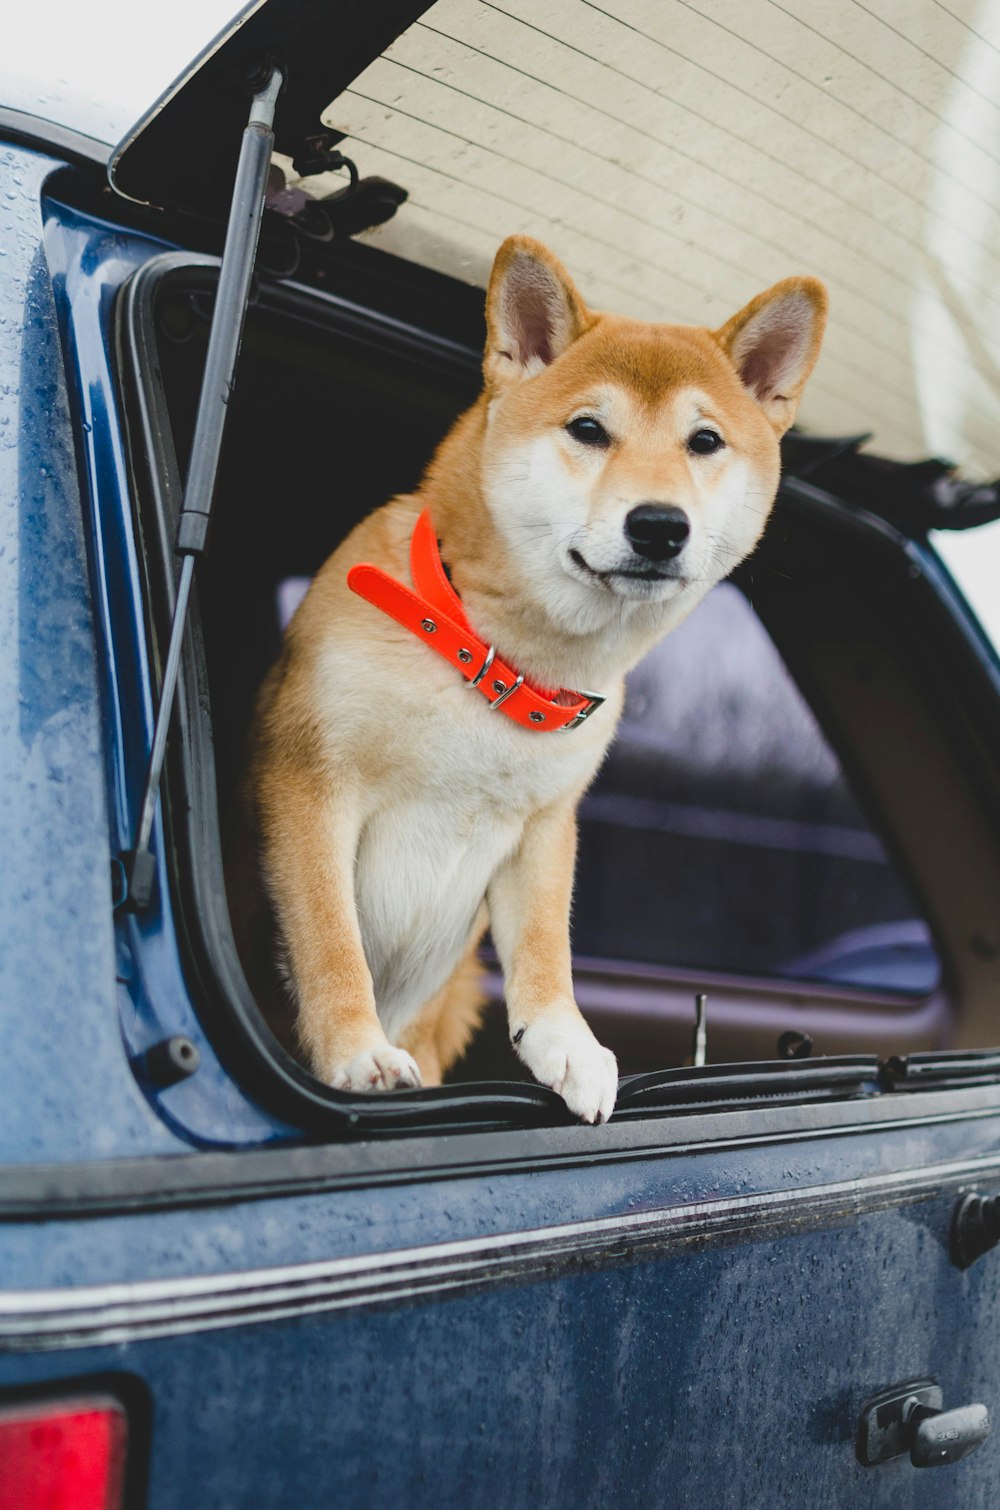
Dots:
pixel 594 701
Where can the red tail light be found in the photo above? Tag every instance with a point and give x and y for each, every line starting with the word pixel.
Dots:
pixel 63 1455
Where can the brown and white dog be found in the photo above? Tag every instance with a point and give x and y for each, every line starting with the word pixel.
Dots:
pixel 610 473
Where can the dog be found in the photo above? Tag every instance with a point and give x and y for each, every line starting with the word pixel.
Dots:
pixel 420 749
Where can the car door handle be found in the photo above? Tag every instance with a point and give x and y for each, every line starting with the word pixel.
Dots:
pixel 909 1418
pixel 943 1436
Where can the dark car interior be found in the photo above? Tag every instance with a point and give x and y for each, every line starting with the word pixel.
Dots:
pixel 726 846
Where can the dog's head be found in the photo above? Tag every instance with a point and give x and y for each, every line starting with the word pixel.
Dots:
pixel 629 463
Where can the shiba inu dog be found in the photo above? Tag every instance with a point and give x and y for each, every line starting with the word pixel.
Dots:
pixel 421 747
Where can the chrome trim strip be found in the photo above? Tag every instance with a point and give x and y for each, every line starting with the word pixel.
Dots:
pixel 24 128
pixel 104 1315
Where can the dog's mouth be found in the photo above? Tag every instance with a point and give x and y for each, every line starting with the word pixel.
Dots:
pixel 648 573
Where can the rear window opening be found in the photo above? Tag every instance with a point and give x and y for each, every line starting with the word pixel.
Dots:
pixel 725 847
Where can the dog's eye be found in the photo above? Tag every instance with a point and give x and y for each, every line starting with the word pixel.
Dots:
pixel 704 442
pixel 588 431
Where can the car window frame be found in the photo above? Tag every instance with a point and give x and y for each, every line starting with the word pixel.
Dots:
pixel 215 975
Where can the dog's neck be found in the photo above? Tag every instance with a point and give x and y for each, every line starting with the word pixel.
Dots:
pixel 593 650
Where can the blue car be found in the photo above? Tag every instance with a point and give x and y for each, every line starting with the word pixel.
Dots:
pixel 770 1278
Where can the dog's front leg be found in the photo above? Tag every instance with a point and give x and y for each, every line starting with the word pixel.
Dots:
pixel 529 902
pixel 311 849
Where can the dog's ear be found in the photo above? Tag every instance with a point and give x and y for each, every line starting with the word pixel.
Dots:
pixel 773 343
pixel 533 312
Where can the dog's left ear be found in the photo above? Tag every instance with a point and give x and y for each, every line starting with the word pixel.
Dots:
pixel 773 343
pixel 533 312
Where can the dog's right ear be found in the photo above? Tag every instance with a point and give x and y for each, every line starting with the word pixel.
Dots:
pixel 773 343
pixel 533 312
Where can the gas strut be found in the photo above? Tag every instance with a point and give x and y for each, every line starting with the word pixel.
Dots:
pixel 217 384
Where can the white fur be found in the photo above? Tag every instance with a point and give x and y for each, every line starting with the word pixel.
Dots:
pixel 421 876
pixel 562 1052
pixel 382 1069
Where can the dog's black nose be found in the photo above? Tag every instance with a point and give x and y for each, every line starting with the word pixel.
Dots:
pixel 657 530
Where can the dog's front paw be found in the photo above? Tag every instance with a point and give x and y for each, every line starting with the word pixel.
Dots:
pixel 562 1052
pixel 381 1069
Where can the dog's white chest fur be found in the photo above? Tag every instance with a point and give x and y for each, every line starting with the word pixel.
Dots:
pixel 421 875
pixel 438 832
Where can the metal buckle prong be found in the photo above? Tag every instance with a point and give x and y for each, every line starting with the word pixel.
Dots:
pixel 594 701
pixel 484 667
pixel 509 693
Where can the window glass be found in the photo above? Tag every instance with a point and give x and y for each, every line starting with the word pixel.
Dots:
pixel 681 155
pixel 721 834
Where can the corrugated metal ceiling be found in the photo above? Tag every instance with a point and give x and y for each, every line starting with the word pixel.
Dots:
pixel 679 155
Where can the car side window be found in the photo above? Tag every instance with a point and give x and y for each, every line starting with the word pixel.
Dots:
pixel 722 835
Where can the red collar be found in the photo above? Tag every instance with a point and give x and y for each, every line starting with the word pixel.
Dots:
pixel 434 613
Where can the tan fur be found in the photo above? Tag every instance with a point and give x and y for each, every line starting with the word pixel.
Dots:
pixel 362 734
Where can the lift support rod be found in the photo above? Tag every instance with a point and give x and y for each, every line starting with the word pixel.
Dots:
pixel 224 339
